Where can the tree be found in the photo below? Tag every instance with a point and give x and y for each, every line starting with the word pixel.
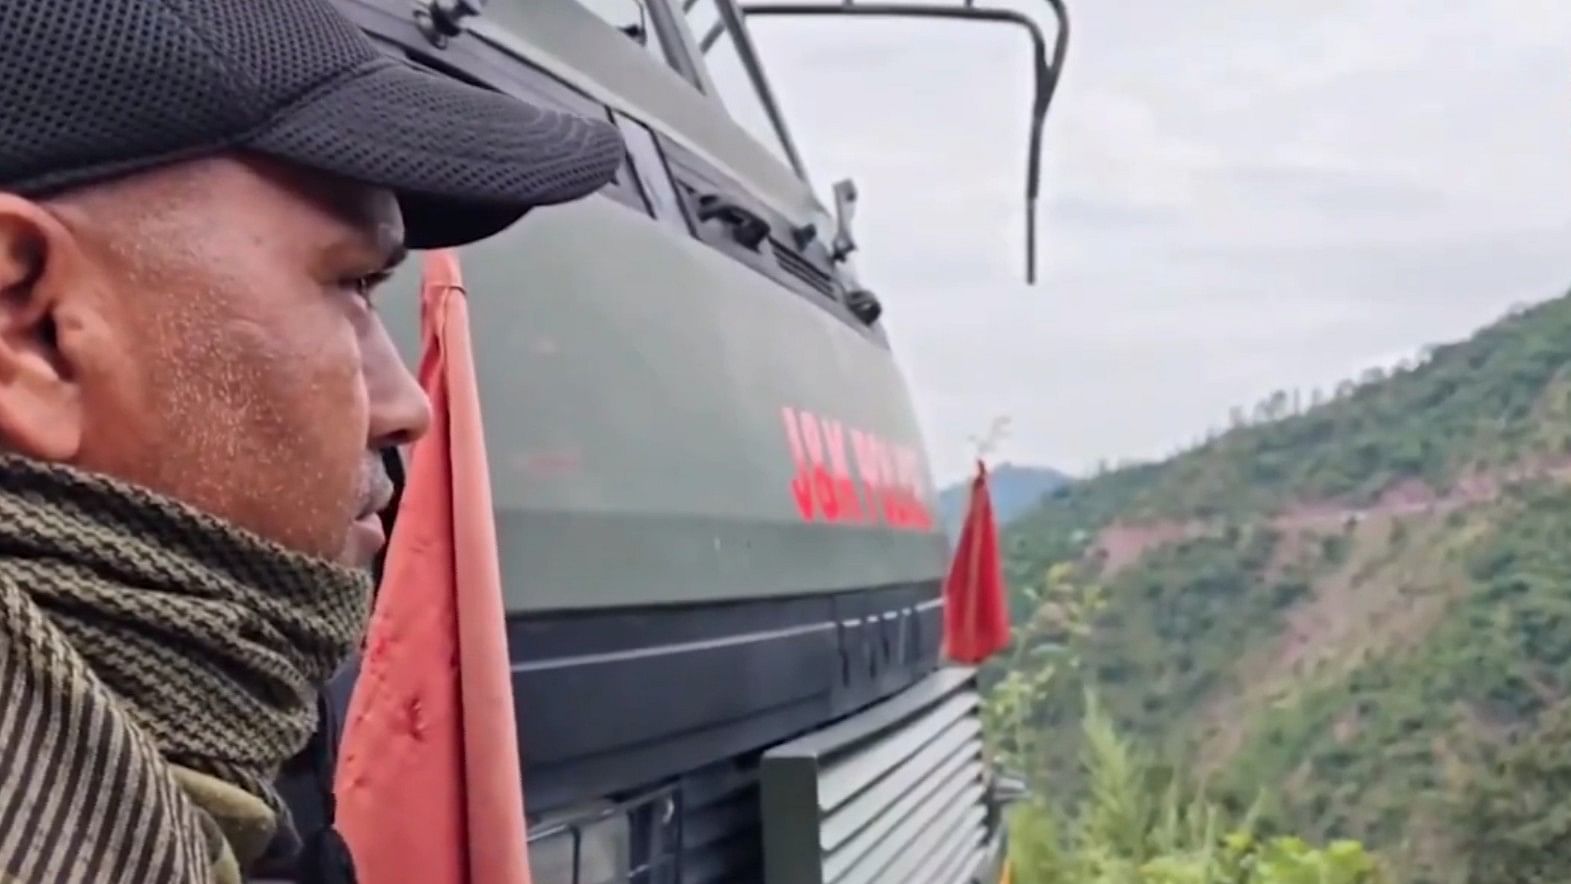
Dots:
pixel 1509 813
pixel 1047 649
pixel 1138 826
pixel 1135 822
pixel 1277 405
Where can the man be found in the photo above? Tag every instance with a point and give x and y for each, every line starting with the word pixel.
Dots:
pixel 197 200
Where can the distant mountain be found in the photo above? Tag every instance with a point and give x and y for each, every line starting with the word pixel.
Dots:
pixel 1015 490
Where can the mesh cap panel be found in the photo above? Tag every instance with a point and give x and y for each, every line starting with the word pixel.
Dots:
pixel 94 83
pixel 97 88
pixel 315 43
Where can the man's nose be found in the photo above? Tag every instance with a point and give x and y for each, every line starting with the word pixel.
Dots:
pixel 400 411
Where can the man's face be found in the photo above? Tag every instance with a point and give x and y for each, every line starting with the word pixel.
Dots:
pixel 207 331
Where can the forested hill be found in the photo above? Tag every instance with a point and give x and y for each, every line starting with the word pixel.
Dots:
pixel 1358 601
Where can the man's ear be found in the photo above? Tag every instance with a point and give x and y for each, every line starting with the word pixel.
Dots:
pixel 41 413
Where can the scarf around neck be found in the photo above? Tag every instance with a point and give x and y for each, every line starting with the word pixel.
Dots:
pixel 151 656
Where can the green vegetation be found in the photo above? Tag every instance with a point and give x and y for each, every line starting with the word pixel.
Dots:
pixel 1511 814
pixel 1379 750
pixel 1135 821
pixel 1350 623
pixel 1138 827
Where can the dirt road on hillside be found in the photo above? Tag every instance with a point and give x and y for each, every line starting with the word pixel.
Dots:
pixel 1122 544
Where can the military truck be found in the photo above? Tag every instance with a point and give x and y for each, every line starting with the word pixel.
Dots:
pixel 718 536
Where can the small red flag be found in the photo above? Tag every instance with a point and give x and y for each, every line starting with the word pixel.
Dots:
pixel 976 608
pixel 428 785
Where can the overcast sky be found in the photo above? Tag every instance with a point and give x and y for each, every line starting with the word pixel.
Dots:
pixel 1238 197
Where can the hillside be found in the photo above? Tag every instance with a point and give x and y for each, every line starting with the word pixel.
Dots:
pixel 1015 489
pixel 1360 607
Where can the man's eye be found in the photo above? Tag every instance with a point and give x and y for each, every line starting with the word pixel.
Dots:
pixel 365 286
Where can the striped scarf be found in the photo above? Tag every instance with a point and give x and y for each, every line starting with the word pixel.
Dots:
pixel 157 666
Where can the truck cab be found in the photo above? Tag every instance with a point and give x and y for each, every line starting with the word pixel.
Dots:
pixel 718 539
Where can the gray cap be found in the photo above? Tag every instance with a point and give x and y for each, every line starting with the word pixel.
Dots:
pixel 94 89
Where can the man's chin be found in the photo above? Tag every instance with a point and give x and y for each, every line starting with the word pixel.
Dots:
pixel 365 539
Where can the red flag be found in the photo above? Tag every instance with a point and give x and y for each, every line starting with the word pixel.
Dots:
pixel 428 784
pixel 976 610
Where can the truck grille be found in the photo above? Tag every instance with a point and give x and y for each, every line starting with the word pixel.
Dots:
pixel 892 795
pixel 635 841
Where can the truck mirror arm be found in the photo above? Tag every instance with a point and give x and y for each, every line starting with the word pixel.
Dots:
pixel 1047 70
pixel 845 210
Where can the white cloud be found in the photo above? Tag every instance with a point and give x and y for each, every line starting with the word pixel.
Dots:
pixel 1237 197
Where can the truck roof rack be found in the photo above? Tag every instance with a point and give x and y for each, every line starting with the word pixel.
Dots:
pixel 1047 68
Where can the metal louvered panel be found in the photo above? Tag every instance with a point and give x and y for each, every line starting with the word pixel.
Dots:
pixel 962 864
pixel 948 754
pixel 895 794
pixel 803 269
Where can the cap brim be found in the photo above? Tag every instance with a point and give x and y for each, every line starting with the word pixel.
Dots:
pixel 465 162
